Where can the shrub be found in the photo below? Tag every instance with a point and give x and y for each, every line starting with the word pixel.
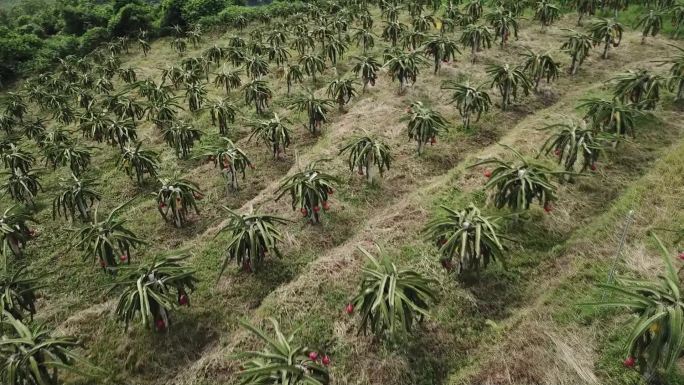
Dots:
pixel 194 9
pixel 54 48
pixel 171 14
pixel 32 29
pixel 231 13
pixel 130 19
pixel 93 38
pixel 15 49
pixel 78 19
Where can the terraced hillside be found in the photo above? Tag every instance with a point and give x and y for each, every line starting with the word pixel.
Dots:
pixel 513 324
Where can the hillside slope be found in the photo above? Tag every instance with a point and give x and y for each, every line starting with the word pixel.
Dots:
pixel 518 325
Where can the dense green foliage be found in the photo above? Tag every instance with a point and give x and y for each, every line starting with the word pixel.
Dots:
pixel 34 33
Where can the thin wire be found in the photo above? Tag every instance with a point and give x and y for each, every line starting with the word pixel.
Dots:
pixel 618 254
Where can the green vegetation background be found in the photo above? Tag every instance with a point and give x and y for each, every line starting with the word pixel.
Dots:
pixel 34 33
